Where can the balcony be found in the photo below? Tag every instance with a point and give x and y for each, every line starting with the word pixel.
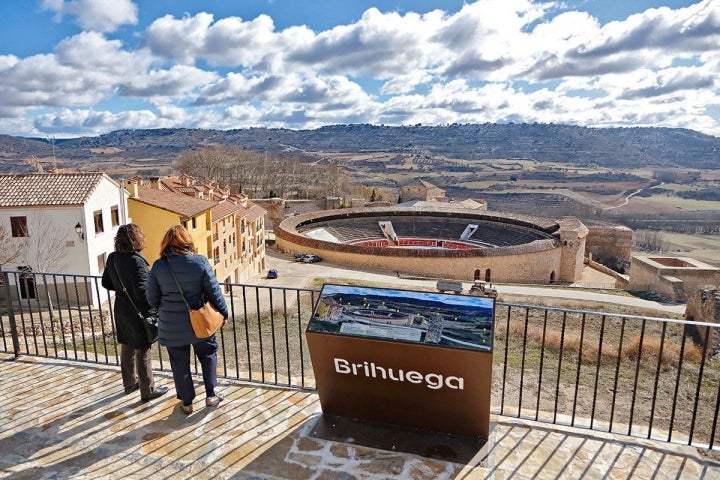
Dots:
pixel 575 393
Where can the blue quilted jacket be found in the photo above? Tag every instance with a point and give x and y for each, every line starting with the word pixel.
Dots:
pixel 198 283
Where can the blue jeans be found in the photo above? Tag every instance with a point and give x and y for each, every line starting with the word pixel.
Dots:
pixel 206 353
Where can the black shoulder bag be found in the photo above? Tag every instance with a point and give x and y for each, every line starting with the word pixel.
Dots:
pixel 150 323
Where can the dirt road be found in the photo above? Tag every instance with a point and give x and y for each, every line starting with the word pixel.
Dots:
pixel 293 274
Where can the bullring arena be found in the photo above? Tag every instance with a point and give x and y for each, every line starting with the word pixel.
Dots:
pixel 452 243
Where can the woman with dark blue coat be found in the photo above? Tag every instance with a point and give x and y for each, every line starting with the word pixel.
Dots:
pixel 199 285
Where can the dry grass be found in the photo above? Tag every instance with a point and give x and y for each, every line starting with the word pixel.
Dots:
pixel 591 353
pixel 668 352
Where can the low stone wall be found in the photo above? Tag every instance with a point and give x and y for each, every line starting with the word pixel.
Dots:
pixel 704 306
pixel 621 281
pixel 672 277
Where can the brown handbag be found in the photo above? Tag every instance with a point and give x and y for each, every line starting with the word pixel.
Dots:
pixel 205 320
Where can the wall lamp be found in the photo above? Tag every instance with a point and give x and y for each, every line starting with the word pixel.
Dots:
pixel 79 231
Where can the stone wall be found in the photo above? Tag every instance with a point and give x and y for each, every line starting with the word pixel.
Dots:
pixel 278 209
pixel 610 245
pixel 704 306
pixel 672 277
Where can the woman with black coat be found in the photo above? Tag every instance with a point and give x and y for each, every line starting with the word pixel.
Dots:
pixel 126 272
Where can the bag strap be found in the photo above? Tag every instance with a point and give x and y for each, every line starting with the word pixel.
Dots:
pixel 182 294
pixel 117 274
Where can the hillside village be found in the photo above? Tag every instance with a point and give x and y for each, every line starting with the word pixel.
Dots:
pixel 66 222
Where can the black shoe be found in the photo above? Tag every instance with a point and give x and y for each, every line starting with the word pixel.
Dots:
pixel 132 388
pixel 158 392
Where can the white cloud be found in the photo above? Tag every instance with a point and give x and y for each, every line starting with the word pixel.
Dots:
pixel 98 15
pixel 493 60
pixel 176 82
pixel 96 122
pixel 379 45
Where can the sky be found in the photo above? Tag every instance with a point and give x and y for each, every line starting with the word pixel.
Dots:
pixel 71 68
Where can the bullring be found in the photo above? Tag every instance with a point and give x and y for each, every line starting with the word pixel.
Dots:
pixel 453 243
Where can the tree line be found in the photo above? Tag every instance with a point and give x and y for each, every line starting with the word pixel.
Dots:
pixel 263 175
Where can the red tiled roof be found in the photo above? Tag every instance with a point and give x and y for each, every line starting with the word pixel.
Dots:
pixel 255 212
pixel 37 189
pixel 223 209
pixel 173 202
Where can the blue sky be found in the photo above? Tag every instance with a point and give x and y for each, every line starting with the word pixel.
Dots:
pixel 87 67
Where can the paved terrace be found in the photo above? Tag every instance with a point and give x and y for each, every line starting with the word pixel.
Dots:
pixel 61 419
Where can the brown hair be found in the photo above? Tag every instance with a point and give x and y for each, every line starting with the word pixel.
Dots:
pixel 177 240
pixel 129 239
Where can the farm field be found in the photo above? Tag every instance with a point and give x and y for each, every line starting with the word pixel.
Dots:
pixel 705 248
pixel 553 189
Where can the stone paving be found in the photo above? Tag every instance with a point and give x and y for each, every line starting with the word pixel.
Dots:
pixel 69 420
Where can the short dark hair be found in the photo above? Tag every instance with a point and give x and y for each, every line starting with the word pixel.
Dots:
pixel 129 239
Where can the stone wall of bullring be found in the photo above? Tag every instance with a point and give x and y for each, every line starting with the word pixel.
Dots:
pixel 609 244
pixel 558 258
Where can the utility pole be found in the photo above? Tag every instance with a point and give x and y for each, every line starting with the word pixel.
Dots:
pixel 51 140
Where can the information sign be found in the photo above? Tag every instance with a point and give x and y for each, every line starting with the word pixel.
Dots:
pixel 402 357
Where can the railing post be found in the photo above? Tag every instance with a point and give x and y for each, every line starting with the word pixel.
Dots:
pixel 11 315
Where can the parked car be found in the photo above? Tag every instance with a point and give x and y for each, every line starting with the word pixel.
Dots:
pixel 272 273
pixel 300 257
pixel 310 258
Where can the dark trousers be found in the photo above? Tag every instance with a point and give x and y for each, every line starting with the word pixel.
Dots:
pixel 206 353
pixel 136 367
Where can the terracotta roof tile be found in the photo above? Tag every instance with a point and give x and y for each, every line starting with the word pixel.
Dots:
pixel 173 202
pixel 37 189
pixel 255 212
pixel 223 209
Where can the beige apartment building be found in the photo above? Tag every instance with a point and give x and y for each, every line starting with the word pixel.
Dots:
pixel 235 230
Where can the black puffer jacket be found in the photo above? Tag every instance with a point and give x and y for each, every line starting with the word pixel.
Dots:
pixel 134 271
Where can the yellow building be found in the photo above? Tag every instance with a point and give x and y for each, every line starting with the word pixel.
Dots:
pixel 154 211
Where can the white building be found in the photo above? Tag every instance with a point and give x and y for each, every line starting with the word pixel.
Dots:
pixel 64 223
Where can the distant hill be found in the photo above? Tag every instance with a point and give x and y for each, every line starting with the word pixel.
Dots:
pixel 609 147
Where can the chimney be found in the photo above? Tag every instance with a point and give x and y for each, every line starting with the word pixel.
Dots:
pixel 155 183
pixel 132 187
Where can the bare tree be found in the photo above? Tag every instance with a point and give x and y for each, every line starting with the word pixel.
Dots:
pixel 10 247
pixel 650 240
pixel 43 248
pixel 335 180
pixel 259 174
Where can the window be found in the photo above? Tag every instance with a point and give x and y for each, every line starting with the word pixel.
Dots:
pixel 115 216
pixel 18 226
pixel 194 223
pixel 184 224
pixel 101 263
pixel 98 219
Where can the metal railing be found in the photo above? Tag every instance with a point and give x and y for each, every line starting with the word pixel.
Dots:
pixel 624 374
